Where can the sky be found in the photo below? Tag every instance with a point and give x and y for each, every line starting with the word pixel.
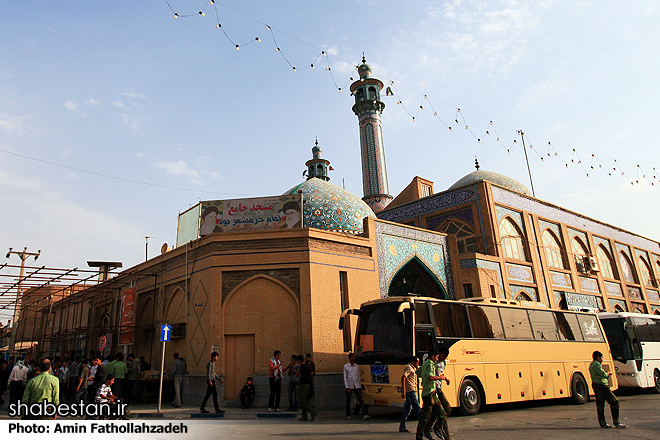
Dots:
pixel 117 116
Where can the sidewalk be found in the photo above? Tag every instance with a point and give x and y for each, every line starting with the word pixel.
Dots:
pixel 150 411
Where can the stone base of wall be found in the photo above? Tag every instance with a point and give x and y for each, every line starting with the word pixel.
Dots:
pixel 329 392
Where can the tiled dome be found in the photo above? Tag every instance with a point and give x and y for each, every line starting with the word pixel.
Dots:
pixel 497 179
pixel 327 206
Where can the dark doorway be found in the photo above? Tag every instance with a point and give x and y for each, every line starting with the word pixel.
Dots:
pixel 417 280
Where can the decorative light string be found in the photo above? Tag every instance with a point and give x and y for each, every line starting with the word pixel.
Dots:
pixel 459 118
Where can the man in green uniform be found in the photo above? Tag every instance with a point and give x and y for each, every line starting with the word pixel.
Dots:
pixel 603 393
pixel 432 409
pixel 45 386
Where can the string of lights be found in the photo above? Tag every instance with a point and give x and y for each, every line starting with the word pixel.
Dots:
pixel 459 118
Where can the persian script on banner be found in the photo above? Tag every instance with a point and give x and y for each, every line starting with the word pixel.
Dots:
pixel 127 321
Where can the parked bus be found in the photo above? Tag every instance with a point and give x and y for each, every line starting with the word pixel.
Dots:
pixel 635 346
pixel 500 351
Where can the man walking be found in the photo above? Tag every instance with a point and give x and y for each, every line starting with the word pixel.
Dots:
pixel 45 386
pixel 211 378
pixel 178 370
pixel 603 393
pixel 432 409
pixel 353 386
pixel 440 428
pixel 409 387
pixel 17 380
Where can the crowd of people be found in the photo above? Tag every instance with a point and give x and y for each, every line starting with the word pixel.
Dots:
pixel 95 380
pixel 70 380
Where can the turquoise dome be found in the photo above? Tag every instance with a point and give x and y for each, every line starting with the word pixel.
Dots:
pixel 497 179
pixel 329 207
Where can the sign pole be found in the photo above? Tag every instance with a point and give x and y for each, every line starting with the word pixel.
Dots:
pixel 164 337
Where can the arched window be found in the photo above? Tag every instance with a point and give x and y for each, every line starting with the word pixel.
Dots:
pixel 467 242
pixel 645 272
pixel 553 249
pixel 512 240
pixel 522 296
pixel 618 308
pixel 604 261
pixel 626 268
pixel 578 247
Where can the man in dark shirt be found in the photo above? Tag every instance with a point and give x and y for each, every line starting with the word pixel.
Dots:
pixel 247 393
pixel 98 380
pixel 306 398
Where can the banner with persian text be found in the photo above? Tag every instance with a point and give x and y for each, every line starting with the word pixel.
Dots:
pixel 274 212
pixel 127 320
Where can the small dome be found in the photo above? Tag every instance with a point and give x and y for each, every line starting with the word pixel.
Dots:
pixel 329 207
pixel 497 179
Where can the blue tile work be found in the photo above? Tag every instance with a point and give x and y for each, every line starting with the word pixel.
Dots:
pixel 589 285
pixel 653 295
pixel 643 254
pixel 554 227
pixel 396 245
pixel 327 206
pixel 433 223
pixel 558 296
pixel 634 293
pixel 427 205
pixel 655 309
pixel 531 291
pixel 540 262
pixel 435 203
pixel 561 279
pixel 613 288
pixel 543 209
pixel 519 272
pixel 606 244
pixel 515 215
pixel 621 303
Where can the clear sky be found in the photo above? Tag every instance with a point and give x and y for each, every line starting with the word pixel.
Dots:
pixel 125 90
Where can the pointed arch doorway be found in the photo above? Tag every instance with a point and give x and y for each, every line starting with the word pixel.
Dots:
pixel 415 279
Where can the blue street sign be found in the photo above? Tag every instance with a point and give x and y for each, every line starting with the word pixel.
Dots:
pixel 165 332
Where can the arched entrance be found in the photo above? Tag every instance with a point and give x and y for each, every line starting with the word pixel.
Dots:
pixel 414 278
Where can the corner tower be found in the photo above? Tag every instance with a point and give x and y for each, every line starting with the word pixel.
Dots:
pixel 368 108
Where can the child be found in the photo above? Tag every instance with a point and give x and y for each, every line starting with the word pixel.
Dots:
pixel 104 393
pixel 247 393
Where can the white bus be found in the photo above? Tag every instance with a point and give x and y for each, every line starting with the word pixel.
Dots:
pixel 635 345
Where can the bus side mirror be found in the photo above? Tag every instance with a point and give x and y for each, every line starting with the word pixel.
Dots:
pixel 342 320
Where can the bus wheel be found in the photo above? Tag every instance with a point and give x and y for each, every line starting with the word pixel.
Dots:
pixel 656 381
pixel 470 398
pixel 579 389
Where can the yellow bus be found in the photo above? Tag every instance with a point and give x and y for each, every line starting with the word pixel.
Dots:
pixel 499 351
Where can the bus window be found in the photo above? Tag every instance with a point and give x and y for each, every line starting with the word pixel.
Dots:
pixel 642 329
pixel 424 341
pixel 380 337
pixel 451 320
pixel 590 328
pixel 422 315
pixel 516 323
pixel 654 325
pixel 486 322
pixel 544 326
pixel 569 328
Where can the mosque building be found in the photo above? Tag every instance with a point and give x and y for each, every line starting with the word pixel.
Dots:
pixel 249 277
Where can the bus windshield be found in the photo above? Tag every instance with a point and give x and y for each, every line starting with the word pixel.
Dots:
pixel 380 337
pixel 617 336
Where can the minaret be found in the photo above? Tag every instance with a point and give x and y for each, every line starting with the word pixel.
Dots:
pixel 317 166
pixel 368 108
